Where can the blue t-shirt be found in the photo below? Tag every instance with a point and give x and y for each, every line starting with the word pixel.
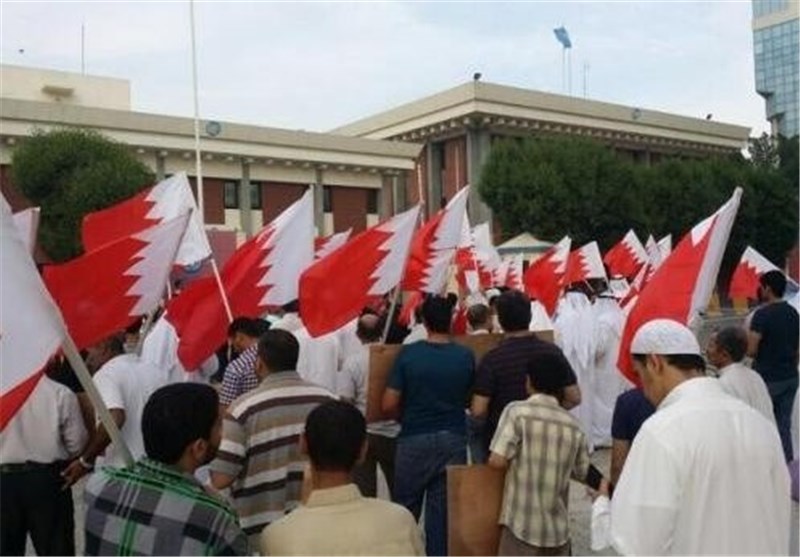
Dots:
pixel 434 381
pixel 630 412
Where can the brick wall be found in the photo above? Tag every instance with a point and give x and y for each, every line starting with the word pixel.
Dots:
pixel 213 201
pixel 349 207
pixel 454 175
pixel 412 186
pixel 276 197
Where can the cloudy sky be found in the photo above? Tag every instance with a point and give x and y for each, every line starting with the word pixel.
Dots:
pixel 315 66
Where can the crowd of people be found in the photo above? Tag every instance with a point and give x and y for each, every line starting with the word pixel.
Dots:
pixel 269 451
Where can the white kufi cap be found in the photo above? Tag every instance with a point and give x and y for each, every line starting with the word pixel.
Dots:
pixel 664 337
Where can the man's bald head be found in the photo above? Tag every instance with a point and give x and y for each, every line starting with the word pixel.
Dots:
pixel 369 328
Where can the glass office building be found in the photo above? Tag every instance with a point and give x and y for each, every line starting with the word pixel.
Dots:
pixel 775 48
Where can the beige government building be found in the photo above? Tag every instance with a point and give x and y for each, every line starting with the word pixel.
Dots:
pixel 362 171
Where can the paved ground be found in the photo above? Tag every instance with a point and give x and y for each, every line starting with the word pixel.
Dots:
pixel 580 515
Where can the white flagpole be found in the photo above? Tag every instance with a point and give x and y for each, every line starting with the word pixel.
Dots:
pixel 77 363
pixel 198 165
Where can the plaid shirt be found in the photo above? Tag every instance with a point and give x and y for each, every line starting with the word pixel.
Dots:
pixel 154 509
pixel 240 376
pixel 546 448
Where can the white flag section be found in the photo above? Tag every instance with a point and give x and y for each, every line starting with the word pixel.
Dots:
pixel 289 249
pixel 27 222
pixel 172 198
pixel 31 329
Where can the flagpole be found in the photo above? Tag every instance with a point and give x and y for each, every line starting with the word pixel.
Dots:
pixel 198 166
pixel 222 293
pixel 79 366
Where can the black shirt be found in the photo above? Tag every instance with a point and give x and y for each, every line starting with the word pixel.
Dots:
pixel 776 359
pixel 630 412
pixel 501 374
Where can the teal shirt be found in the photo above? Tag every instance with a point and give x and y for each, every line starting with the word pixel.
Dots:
pixel 434 381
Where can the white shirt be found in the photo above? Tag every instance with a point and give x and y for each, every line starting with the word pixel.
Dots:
pixel 418 332
pixel 319 357
pixel 47 428
pixel 705 475
pixel 160 348
pixel 288 322
pixel 745 384
pixel 352 383
pixel 126 382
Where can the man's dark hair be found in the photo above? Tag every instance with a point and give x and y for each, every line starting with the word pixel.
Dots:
pixel 278 349
pixel 437 314
pixel 370 327
pixel 291 307
pixel 775 281
pixel 176 416
pixel 478 315
pixel 335 433
pixel 684 362
pixel 544 371
pixel 733 340
pixel 244 325
pixel 115 344
pixel 261 326
pixel 514 311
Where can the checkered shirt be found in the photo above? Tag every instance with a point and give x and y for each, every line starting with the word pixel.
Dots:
pixel 546 448
pixel 154 509
pixel 240 376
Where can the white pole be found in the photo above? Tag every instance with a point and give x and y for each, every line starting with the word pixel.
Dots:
pixel 198 167
pixel 390 315
pixel 585 72
pixel 222 293
pixel 569 70
pixel 563 69
pixel 419 192
pixel 83 49
pixel 77 363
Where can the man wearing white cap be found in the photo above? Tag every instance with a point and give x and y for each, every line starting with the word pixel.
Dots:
pixel 706 473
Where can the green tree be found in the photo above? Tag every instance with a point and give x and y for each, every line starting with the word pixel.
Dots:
pixel 553 186
pixel 69 173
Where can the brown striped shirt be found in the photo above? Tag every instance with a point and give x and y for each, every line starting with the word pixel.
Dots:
pixel 260 448
pixel 546 447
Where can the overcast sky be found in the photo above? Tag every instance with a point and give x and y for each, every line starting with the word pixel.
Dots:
pixel 316 66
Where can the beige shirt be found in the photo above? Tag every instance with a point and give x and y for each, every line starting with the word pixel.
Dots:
pixel 339 521
pixel 49 427
pixel 745 384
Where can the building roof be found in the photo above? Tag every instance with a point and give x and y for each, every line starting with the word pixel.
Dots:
pixel 20 117
pixel 478 102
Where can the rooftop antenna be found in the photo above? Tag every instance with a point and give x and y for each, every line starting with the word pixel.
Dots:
pixel 562 36
pixel 83 48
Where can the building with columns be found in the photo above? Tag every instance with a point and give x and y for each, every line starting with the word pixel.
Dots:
pixel 424 150
pixel 458 127
pixel 250 173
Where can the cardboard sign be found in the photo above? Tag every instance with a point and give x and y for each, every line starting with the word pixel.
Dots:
pixel 474 499
pixel 382 357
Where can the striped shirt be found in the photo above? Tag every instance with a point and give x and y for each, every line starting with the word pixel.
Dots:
pixel 240 376
pixel 260 448
pixel 546 448
pixel 155 509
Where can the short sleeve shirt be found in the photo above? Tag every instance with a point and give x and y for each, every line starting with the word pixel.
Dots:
pixel 776 359
pixel 434 380
pixel 630 412
pixel 501 374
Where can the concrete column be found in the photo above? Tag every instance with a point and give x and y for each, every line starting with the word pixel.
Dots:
pixel 435 156
pixel 478 146
pixel 161 163
pixel 245 212
pixel 319 208
pixel 396 205
pixel 385 197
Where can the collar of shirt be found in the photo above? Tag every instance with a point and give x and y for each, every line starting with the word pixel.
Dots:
pixel 730 367
pixel 275 376
pixel 166 473
pixel 542 398
pixel 691 388
pixel 333 496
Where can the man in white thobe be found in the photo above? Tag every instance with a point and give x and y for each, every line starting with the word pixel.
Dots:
pixel 609 383
pixel 706 473
pixel 320 358
pixel 726 350
pixel 575 335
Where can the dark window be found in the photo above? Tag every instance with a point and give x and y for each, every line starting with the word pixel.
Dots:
pixel 327 199
pixel 231 195
pixel 255 195
pixel 372 202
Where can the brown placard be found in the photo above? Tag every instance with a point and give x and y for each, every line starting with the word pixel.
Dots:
pixel 474 499
pixel 382 357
